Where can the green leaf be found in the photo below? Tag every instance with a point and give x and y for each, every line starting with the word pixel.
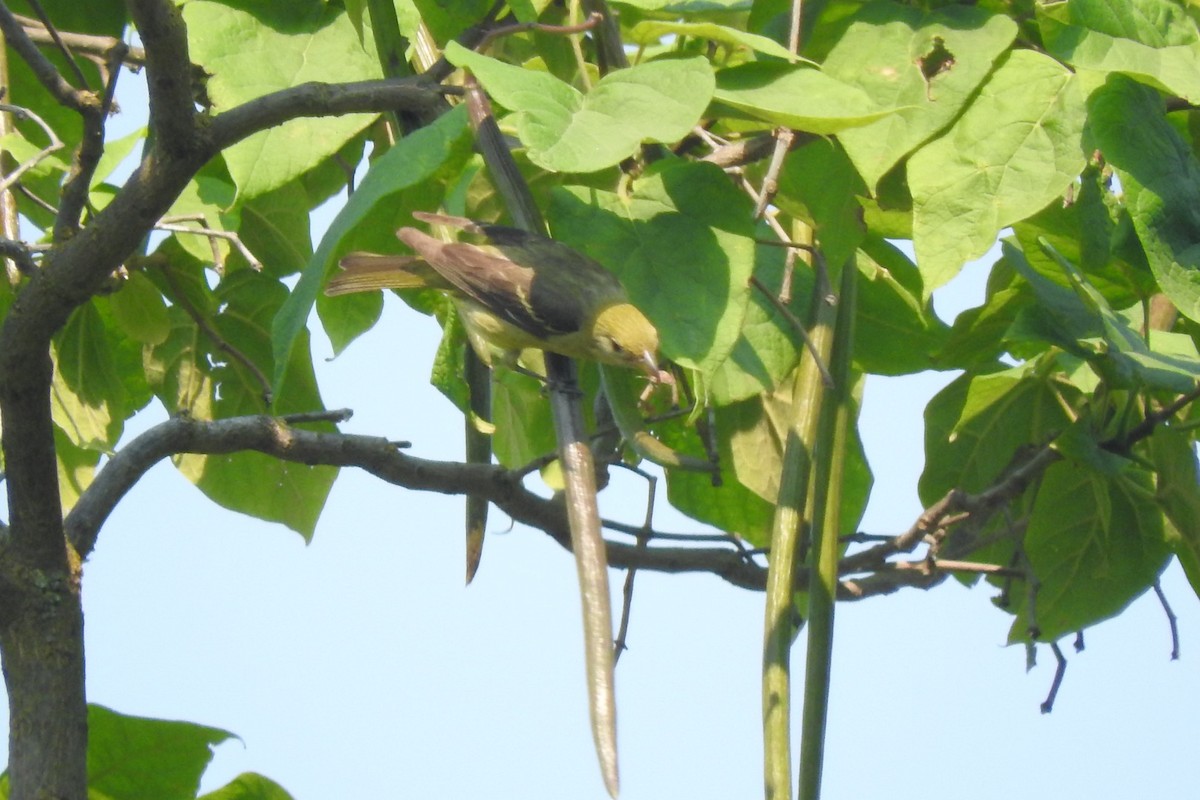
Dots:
pixel 275 227
pixel 1065 317
pixel 1013 151
pixel 76 468
pixel 1089 232
pixel 524 427
pixel 975 426
pixel 192 373
pixel 732 506
pixel 449 370
pixel 819 185
pixel 796 96
pixel 564 130
pixel 1178 494
pixel 650 32
pixel 202 205
pixel 88 396
pixel 976 339
pixel 250 50
pixel 896 331
pixel 1168 361
pixel 1094 543
pixel 750 442
pixel 769 345
pixel 925 64
pixel 253 483
pixel 1161 180
pixel 177 369
pixel 448 18
pixel 366 222
pixel 249 786
pixel 136 758
pixel 138 308
pixel 1154 40
pixel 681 243
pixel 115 152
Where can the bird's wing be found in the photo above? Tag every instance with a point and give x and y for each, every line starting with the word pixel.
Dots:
pixel 535 300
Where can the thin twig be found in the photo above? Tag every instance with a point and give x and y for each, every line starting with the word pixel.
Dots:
pixel 1172 620
pixel 78 183
pixel 327 415
pixel 520 27
pixel 797 326
pixel 966 567
pixel 1060 669
pixel 43 68
pixel 20 255
pixel 37 201
pixel 208 330
pixel 172 224
pixel 58 42
pixel 89 45
pixel 25 166
pixel 643 542
pixel 783 142
pixel 1146 427
pixel 1032 586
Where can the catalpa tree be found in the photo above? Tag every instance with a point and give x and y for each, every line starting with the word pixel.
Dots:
pixel 749 171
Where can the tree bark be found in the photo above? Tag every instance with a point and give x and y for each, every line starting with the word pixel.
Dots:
pixel 41 636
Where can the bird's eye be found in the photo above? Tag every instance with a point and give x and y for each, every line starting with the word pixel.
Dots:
pixel 610 344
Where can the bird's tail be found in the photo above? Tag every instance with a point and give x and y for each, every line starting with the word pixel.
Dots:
pixel 363 272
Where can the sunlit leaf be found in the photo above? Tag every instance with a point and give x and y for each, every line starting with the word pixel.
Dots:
pixel 250 50
pixel 249 786
pixel 1012 152
pixel 1154 40
pixel 799 97
pixel 565 130
pixel 137 758
pixel 925 64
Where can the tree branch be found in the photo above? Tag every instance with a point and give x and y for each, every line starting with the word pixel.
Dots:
pixel 382 458
pixel 168 73
pixel 54 144
pixel 58 42
pixel 43 68
pixel 319 100
pixel 19 254
pixel 90 45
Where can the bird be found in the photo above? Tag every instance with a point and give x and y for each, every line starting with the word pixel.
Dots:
pixel 520 290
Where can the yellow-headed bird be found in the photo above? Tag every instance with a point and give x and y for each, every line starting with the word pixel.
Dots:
pixel 519 291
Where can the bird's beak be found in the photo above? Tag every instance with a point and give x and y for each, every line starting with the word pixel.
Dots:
pixel 650 363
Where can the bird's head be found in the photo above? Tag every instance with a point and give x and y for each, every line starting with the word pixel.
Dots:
pixel 622 335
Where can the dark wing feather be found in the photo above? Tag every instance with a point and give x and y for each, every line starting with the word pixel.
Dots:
pixel 535 283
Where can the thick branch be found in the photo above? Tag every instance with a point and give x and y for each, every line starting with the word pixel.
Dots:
pixel 168 72
pixel 319 100
pixel 382 459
